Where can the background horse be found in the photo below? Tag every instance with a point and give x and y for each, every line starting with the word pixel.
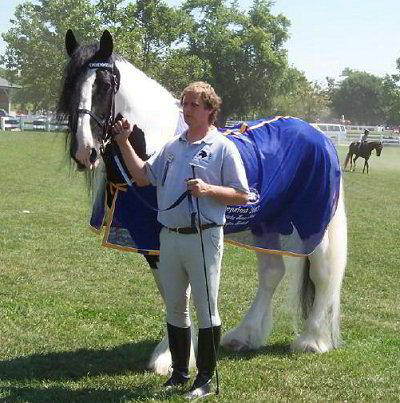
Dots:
pixel 363 150
pixel 99 86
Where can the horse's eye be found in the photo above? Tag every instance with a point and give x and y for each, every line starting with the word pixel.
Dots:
pixel 103 87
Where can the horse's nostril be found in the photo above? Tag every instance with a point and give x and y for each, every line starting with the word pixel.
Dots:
pixel 93 156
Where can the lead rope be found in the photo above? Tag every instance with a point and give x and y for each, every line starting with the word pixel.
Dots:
pixel 208 293
pixel 141 198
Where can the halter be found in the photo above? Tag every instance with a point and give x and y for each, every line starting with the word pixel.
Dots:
pixel 106 123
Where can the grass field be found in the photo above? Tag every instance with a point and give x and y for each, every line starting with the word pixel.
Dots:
pixel 78 322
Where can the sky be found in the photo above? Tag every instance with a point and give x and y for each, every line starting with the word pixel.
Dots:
pixel 326 36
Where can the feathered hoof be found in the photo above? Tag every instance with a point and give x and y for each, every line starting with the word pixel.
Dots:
pixel 160 366
pixel 160 361
pixel 232 342
pixel 303 345
pixel 235 345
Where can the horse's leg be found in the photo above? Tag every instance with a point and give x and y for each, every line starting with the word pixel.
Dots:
pixel 327 266
pixel 365 165
pixel 160 360
pixel 346 161
pixel 257 323
pixel 354 162
pixel 351 162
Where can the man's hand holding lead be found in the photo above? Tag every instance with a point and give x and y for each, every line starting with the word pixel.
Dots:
pixel 198 188
pixel 122 130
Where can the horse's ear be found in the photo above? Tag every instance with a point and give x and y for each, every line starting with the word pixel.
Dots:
pixel 106 45
pixel 70 42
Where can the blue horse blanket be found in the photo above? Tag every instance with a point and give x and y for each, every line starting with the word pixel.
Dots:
pixel 293 172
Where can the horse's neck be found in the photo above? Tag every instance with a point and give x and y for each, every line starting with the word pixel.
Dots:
pixel 147 104
pixel 371 145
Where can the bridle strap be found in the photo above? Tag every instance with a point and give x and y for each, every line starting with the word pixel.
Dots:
pixel 106 123
pixel 99 121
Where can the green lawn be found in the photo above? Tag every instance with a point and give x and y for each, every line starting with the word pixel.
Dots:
pixel 78 322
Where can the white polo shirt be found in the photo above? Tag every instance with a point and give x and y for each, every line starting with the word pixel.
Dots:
pixel 216 161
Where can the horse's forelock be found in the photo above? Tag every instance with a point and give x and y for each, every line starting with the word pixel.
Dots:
pixel 74 75
pixel 72 72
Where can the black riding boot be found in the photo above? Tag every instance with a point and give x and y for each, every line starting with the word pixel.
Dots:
pixel 179 344
pixel 206 362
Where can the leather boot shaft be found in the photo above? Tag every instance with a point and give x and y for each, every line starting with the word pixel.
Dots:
pixel 208 348
pixel 207 354
pixel 179 344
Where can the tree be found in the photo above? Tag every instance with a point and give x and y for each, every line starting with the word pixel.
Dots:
pixel 391 84
pixel 242 54
pixel 34 56
pixel 392 99
pixel 300 97
pixel 360 98
pixel 148 34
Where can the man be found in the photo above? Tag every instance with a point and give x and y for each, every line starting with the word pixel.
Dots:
pixel 209 166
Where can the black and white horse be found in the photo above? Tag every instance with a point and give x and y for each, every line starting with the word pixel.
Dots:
pixel 363 150
pixel 99 86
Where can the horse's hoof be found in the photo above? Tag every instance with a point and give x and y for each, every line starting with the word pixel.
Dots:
pixel 235 345
pixel 311 349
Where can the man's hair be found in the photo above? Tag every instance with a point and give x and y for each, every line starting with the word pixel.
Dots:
pixel 366 131
pixel 210 98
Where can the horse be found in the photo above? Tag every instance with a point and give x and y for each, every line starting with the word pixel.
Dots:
pixel 100 86
pixel 364 150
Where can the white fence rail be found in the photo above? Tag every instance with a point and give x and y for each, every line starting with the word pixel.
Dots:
pixel 31 123
pixel 9 123
pixel 386 139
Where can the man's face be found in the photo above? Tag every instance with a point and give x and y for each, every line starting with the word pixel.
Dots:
pixel 194 112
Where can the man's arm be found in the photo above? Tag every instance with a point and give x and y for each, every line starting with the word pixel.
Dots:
pixel 136 166
pixel 221 194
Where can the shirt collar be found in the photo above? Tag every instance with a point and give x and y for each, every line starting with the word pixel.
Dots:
pixel 208 139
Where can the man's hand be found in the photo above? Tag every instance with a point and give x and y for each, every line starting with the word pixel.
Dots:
pixel 197 187
pixel 122 130
pixel 221 194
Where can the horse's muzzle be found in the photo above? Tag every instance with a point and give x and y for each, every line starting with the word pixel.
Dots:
pixel 92 160
pixel 93 156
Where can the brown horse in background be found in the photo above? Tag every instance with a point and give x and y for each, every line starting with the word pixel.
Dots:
pixel 363 150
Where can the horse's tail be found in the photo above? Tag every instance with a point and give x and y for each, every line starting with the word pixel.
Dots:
pixel 346 161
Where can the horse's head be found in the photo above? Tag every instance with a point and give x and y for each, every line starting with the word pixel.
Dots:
pixel 379 148
pixel 91 80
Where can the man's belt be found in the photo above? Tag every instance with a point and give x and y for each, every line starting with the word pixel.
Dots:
pixel 192 230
